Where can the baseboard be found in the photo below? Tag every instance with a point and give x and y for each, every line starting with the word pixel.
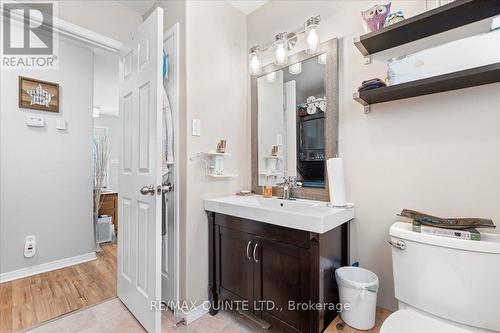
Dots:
pixel 47 267
pixel 192 315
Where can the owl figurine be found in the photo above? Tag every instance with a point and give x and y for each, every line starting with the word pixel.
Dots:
pixel 374 18
pixel 394 18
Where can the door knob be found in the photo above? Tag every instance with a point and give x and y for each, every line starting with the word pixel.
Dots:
pixel 165 188
pixel 148 190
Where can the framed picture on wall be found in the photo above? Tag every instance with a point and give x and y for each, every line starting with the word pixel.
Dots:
pixel 38 95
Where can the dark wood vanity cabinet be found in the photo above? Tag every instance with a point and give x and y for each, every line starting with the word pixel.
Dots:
pixel 275 273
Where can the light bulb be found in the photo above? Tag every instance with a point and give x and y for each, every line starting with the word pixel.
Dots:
pixel 312 37
pixel 254 62
pixel 312 40
pixel 280 50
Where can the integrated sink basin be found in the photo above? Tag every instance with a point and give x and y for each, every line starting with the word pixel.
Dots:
pixel 307 215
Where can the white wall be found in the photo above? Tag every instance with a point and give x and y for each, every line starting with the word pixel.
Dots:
pixel 46 174
pixel 437 153
pixel 106 83
pixel 216 65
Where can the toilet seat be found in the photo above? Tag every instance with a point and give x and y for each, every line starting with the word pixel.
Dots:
pixel 409 321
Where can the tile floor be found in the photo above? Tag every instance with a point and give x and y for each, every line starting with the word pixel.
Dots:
pixel 112 317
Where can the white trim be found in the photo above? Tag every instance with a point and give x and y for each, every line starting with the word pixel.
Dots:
pixel 85 35
pixel 46 267
pixel 192 315
pixel 79 33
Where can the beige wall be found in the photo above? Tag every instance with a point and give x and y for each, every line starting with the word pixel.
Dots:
pixel 106 17
pixel 216 94
pixel 438 153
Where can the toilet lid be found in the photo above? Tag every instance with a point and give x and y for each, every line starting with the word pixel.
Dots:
pixel 409 321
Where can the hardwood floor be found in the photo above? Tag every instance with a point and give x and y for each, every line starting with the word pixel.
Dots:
pixel 35 299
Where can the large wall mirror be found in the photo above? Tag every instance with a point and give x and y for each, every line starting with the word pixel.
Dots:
pixel 295 122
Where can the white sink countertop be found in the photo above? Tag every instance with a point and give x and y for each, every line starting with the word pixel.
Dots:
pixel 307 215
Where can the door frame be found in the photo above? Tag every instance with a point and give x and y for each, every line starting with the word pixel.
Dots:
pixel 174 32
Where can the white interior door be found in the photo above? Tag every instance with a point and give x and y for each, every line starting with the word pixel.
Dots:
pixel 139 237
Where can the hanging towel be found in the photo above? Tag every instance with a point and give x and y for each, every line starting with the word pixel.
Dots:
pixel 168 135
pixel 165 66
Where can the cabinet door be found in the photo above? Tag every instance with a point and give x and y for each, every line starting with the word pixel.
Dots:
pixel 281 276
pixel 234 265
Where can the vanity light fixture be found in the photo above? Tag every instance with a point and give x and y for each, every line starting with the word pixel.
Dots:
pixel 295 68
pixel 254 61
pixel 283 43
pixel 312 38
pixel 280 49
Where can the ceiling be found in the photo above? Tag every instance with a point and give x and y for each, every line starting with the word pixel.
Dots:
pixel 139 6
pixel 247 6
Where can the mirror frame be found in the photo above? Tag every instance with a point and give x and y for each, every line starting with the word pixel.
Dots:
pixel 329 47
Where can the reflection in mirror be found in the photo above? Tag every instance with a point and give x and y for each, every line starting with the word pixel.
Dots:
pixel 291 124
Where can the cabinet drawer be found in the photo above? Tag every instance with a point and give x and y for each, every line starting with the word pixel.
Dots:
pixel 271 232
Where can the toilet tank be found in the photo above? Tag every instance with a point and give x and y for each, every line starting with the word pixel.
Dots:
pixel 455 279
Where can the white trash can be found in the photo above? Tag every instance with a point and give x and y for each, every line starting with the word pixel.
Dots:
pixel 358 287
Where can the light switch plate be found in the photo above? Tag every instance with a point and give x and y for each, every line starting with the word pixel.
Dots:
pixel 196 127
pixel 60 123
pixel 279 140
pixel 35 121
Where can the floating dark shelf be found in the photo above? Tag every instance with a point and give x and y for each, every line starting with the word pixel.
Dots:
pixel 436 84
pixel 450 16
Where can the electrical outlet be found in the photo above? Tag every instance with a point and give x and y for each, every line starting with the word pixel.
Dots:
pixel 30 246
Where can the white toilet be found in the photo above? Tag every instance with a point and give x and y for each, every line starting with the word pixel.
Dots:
pixel 444 285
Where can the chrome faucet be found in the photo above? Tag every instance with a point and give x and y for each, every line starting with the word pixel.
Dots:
pixel 288 184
